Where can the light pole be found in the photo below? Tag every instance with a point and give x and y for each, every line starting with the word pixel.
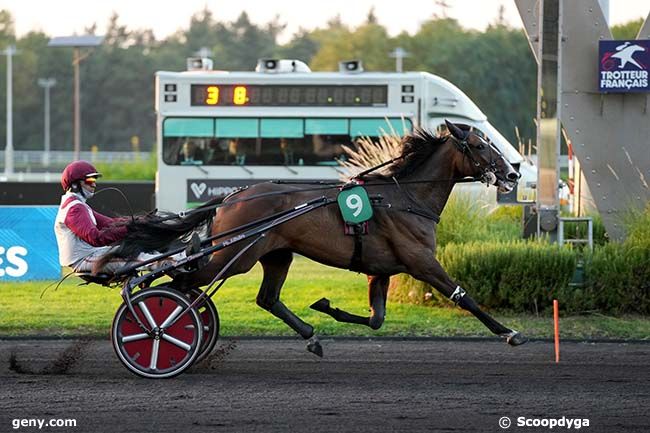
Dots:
pixel 399 53
pixel 76 42
pixel 46 84
pixel 9 149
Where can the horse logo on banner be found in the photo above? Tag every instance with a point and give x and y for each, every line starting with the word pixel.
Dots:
pixel 623 66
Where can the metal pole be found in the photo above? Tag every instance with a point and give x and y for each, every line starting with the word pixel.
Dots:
pixel 47 84
pixel 46 161
pixel 548 116
pixel 399 53
pixel 9 149
pixel 604 5
pixel 77 110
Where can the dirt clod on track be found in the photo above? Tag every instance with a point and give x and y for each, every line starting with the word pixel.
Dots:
pixel 360 386
pixel 65 360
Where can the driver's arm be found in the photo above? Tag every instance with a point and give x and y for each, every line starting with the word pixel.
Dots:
pixel 79 221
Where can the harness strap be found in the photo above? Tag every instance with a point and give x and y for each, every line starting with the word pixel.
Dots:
pixel 356 262
pixel 421 213
pixel 358 176
pixel 414 210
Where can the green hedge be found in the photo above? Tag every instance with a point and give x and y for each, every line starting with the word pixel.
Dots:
pixel 467 219
pixel 512 275
pixel 527 276
pixel 619 273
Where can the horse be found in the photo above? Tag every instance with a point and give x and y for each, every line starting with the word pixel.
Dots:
pixel 401 236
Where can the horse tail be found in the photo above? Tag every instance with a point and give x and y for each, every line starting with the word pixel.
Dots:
pixel 156 231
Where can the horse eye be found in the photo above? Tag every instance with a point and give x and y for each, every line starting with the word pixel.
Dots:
pixel 481 146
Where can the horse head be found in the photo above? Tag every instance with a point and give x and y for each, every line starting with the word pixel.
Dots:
pixel 481 160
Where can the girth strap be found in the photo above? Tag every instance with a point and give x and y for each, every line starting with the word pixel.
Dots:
pixel 356 262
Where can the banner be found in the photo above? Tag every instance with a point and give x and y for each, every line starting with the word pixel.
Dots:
pixel 624 66
pixel 28 249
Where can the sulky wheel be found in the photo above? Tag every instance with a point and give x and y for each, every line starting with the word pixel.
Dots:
pixel 173 342
pixel 210 318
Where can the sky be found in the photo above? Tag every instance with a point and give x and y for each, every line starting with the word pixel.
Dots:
pixel 67 17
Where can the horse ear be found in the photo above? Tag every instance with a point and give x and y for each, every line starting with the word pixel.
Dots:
pixel 455 130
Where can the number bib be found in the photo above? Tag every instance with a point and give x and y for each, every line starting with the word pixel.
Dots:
pixel 354 205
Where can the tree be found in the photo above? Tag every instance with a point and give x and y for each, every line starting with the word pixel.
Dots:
pixel 303 46
pixel 7 37
pixel 494 68
pixel 241 43
pixel 627 30
pixel 371 18
pixel 369 43
pixel 117 89
pixel 7 28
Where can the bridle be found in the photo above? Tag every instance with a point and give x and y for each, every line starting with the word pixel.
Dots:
pixel 488 171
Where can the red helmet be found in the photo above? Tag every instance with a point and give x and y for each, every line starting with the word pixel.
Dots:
pixel 77 171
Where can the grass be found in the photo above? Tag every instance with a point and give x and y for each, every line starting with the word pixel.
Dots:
pixel 139 169
pixel 88 311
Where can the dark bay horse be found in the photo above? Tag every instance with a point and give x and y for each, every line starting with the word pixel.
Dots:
pixel 401 237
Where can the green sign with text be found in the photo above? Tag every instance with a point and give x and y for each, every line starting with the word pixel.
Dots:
pixel 354 205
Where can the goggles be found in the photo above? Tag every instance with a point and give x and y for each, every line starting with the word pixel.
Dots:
pixel 92 178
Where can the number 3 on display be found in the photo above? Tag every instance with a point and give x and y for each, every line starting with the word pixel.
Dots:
pixel 355 204
pixel 213 95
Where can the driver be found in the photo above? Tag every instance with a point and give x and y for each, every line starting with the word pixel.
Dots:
pixel 83 235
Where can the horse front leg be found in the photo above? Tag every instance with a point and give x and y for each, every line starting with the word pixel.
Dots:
pixel 377 294
pixel 276 266
pixel 433 274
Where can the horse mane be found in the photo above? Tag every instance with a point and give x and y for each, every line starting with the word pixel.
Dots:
pixel 156 232
pixel 416 146
pixel 368 153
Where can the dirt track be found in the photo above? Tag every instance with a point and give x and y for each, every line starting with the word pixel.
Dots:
pixel 361 386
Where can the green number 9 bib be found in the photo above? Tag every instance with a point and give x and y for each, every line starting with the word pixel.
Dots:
pixel 354 205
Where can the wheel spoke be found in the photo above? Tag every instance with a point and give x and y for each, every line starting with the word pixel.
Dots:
pixel 147 314
pixel 154 354
pixel 171 317
pixel 177 342
pixel 134 337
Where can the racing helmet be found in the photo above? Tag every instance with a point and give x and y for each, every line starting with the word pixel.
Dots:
pixel 78 171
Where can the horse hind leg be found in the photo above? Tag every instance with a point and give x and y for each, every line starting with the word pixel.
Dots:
pixel 377 292
pixel 276 266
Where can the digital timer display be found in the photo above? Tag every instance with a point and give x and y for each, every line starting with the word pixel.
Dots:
pixel 230 95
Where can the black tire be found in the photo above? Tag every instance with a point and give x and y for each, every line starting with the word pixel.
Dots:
pixel 210 318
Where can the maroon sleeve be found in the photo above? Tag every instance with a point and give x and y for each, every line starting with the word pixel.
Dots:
pixel 79 221
pixel 103 221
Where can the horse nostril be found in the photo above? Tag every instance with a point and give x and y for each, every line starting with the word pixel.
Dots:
pixel 513 175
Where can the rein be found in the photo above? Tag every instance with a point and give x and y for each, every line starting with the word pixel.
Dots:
pixel 325 186
pixel 463 146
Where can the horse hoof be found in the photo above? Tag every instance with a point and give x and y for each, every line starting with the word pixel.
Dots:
pixel 516 339
pixel 313 345
pixel 322 305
